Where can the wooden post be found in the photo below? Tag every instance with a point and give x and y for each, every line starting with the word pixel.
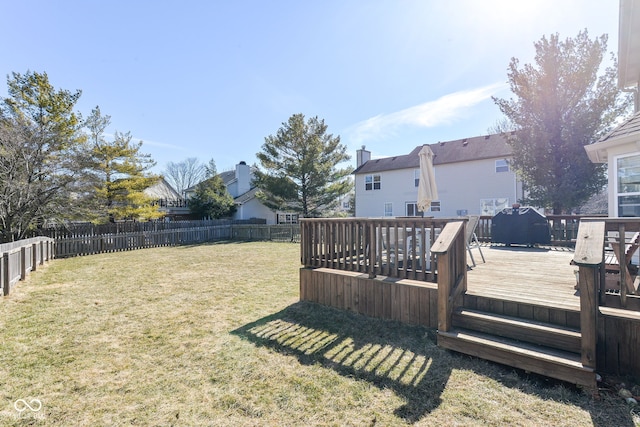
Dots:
pixel 452 279
pixel 589 256
pixel 6 276
pixel 23 263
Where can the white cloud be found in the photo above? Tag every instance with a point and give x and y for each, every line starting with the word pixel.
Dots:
pixel 442 111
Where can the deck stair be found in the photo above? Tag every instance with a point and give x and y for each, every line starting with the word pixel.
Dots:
pixel 543 348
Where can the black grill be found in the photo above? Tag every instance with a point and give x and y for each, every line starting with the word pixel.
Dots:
pixel 520 226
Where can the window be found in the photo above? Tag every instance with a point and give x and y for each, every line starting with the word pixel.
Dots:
pixel 435 206
pixel 628 185
pixel 287 218
pixel 416 177
pixel 502 165
pixel 493 206
pixel 388 209
pixel 411 209
pixel 372 182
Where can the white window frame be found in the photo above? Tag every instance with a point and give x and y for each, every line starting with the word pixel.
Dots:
pixel 388 208
pixel 616 188
pixel 414 205
pixel 436 206
pixel 502 165
pixel 416 177
pixel 373 181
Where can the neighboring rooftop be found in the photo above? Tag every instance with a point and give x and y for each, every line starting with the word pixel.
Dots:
pixel 459 150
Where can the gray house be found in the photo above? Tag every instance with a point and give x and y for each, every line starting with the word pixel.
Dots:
pixel 473 176
pixel 239 183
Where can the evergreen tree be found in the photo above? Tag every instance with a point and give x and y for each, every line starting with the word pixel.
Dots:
pixel 212 200
pixel 561 105
pixel 299 168
pixel 41 154
pixel 120 174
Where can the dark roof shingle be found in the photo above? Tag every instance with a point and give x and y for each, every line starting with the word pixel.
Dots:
pixel 459 150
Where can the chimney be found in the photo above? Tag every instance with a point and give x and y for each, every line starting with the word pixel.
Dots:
pixel 243 177
pixel 362 156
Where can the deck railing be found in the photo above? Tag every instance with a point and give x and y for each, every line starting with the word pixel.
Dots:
pixel 452 273
pixel 563 228
pixel 395 247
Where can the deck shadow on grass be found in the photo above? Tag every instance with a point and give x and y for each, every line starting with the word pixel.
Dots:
pixel 387 354
pixel 398 357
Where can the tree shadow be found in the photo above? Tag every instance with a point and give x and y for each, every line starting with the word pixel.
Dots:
pixel 402 358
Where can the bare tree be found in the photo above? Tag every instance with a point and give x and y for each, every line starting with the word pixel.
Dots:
pixel 185 174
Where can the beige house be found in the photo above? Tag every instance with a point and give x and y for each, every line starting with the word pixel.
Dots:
pixel 473 176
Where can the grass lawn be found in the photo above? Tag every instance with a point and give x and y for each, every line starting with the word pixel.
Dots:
pixel 215 335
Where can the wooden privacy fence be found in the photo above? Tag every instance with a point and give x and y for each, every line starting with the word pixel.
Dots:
pixel 21 257
pixel 96 244
pixel 395 247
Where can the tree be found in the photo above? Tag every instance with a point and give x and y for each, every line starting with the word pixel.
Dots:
pixel 212 200
pixel 185 174
pixel 561 105
pixel 300 171
pixel 41 154
pixel 120 174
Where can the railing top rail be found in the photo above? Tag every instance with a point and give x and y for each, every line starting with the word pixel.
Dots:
pixel 398 220
pixel 589 243
pixel 447 237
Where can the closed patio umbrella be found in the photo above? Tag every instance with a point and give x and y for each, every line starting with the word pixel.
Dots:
pixel 427 189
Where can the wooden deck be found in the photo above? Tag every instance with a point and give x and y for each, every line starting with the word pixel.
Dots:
pixel 536 276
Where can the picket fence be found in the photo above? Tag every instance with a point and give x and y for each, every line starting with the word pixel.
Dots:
pixel 20 258
pixel 97 244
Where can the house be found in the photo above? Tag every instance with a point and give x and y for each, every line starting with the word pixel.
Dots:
pixel 473 176
pixel 172 204
pixel 239 183
pixel 620 149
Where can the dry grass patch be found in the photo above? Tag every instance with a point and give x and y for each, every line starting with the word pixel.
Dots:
pixel 214 335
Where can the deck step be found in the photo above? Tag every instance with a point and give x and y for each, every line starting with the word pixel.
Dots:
pixel 519 329
pixel 554 363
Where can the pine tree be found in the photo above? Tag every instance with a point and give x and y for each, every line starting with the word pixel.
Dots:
pixel 121 174
pixel 212 200
pixel 299 168
pixel 41 154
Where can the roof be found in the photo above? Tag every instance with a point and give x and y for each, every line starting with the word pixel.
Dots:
pixel 627 132
pixel 456 151
pixel 629 43
pixel 227 176
pixel 245 197
pixel 630 126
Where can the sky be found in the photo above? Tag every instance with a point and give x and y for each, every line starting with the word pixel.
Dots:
pixel 212 79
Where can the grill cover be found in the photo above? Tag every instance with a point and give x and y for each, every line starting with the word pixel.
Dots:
pixel 520 226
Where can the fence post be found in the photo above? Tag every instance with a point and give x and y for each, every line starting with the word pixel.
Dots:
pixel 34 256
pixel 6 277
pixel 23 263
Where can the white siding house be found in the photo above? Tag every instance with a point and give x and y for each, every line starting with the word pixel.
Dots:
pixel 472 174
pixel 620 149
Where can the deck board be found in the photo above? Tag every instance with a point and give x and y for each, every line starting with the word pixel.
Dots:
pixel 537 276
